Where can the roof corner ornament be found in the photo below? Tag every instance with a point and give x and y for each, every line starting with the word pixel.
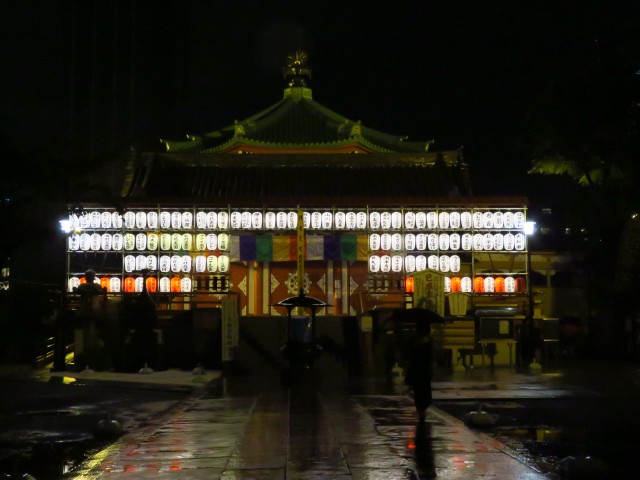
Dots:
pixel 356 129
pixel 297 73
pixel 239 130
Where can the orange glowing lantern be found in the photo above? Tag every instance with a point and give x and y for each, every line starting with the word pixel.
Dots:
pixel 152 284
pixel 456 284
pixel 478 284
pixel 129 285
pixel 175 284
pixel 499 285
pixel 408 285
pixel 104 283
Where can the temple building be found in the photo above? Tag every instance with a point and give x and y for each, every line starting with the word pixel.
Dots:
pixel 296 194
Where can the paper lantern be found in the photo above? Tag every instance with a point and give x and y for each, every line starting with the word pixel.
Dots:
pixel 165 220
pixel 409 242
pixel 141 220
pixel 327 220
pixel 518 220
pixel 212 263
pixel 85 221
pixel 116 220
pixel 141 241
pixel 201 242
pixel 201 220
pixel 165 241
pixel 212 220
pixel 211 242
pixel 176 263
pixel 409 285
pixel 498 241
pixel 187 220
pixel 499 285
pixel 74 242
pixel 185 262
pixel 487 220
pixel 374 220
pixel 519 241
pixel 223 263
pixel 129 241
pixel 444 263
pixel 96 241
pixel 509 241
pixel 361 221
pixel 187 241
pixel 498 220
pixel 223 220
pixel 521 285
pixel 466 242
pixel 104 283
pixel 385 241
pixel 306 218
pixel 456 284
pixel 117 241
pixel 165 263
pixel 489 284
pixel 129 285
pixel 200 263
pixel 432 241
pixel 176 242
pixel 152 241
pixel 236 220
pixel 374 263
pixel 421 263
pixel 454 263
pixel 281 220
pixel 141 262
pixel 432 220
pixel 447 284
pixel 85 242
pixel 374 242
pixel 139 284
pixel 223 242
pixel 152 262
pixel 152 284
pixel 507 219
pixel 466 220
pixel 421 220
pixel 176 220
pixel 410 263
pixel 385 263
pixel 433 262
pixel 185 284
pixel 443 241
pixel 245 220
pixel 466 285
pixel 385 220
pixel 487 242
pixel 478 284
pixel 409 220
pixel 396 220
pixel 270 220
pixel 129 263
pixel 478 242
pixel 165 285
pixel 396 241
pixel 175 284
pixel 316 220
pixel 454 241
pixel 509 285
pixel 105 220
pixel 478 220
pixel 396 263
pixel 129 219
pixel 341 220
pixel 443 219
pixel 114 285
pixel 454 220
pixel 421 242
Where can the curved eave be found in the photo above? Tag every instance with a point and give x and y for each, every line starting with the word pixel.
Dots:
pixel 247 145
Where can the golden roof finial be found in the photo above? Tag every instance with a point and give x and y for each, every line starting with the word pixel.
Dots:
pixel 296 72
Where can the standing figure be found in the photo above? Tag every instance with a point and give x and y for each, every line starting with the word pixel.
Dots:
pixel 420 370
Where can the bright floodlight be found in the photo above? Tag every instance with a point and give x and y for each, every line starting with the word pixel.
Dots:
pixel 65 225
pixel 529 228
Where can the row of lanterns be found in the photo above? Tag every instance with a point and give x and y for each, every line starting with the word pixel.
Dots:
pixel 316 220
pixel 175 284
pixel 177 263
pixel 485 284
pixel 447 241
pixel 151 241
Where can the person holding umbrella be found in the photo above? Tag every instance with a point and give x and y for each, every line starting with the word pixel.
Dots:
pixel 419 369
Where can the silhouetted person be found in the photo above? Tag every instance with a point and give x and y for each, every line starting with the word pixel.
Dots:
pixel 419 369
pixel 91 308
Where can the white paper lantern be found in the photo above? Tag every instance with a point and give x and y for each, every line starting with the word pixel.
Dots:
pixel 396 263
pixel 186 263
pixel 236 220
pixel 201 242
pixel 212 263
pixel 292 220
pixel 187 241
pixel 385 241
pixel 361 221
pixel 443 241
pixel 433 262
pixel 187 220
pixel 520 242
pixel 105 220
pixel 141 220
pixel 341 220
pixel 454 220
pixel 141 262
pixel 129 241
pixel 498 241
pixel 96 241
pixel 421 220
pixel 410 263
pixel 444 263
pixel 141 241
pixel 432 220
pixel 374 220
pixel 116 220
pixel 176 263
pixel 117 241
pixel 421 263
pixel 374 242
pixel 396 220
pixel 223 220
pixel 385 263
pixel 465 220
pixel 487 220
pixel 176 220
pixel 165 285
pixel 165 241
pixel 454 263
pixel 421 241
pixel 165 263
pixel 129 263
pixel 212 241
pixel 466 241
pixel 466 285
pixel 223 242
pixel 509 285
pixel 85 242
pixel 223 263
pixel 374 263
pixel 200 263
pixel 306 218
pixel 507 219
pixel 478 242
pixel 115 285
pixel 212 220
pixel 316 220
pixel 478 220
pixel 245 220
pixel 152 262
pixel 94 219
pixel 385 220
pixel 165 220
pixel 454 241
pixel 176 242
pixel 396 242
pixel 447 284
pixel 85 221
pixel 489 284
pixel 106 241
pixel 498 220
pixel 443 219
pixel 409 220
pixel 270 220
pixel 74 242
pixel 432 241
pixel 281 220
pixel 409 242
pixel 152 241
pixel 518 220
pixel 256 220
pixel 139 284
pixel 487 242
pixel 185 285
pixel 74 282
pixel 201 220
pixel 509 241
pixel 327 220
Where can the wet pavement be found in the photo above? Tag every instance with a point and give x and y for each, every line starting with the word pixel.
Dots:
pixel 329 426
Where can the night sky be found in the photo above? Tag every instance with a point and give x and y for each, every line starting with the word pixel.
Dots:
pixel 88 79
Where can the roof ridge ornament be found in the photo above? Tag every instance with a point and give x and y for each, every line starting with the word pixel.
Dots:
pixel 297 73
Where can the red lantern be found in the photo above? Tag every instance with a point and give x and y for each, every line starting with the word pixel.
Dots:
pixel 175 284
pixel 456 284
pixel 408 285
pixel 478 284
pixel 498 285
pixel 521 285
